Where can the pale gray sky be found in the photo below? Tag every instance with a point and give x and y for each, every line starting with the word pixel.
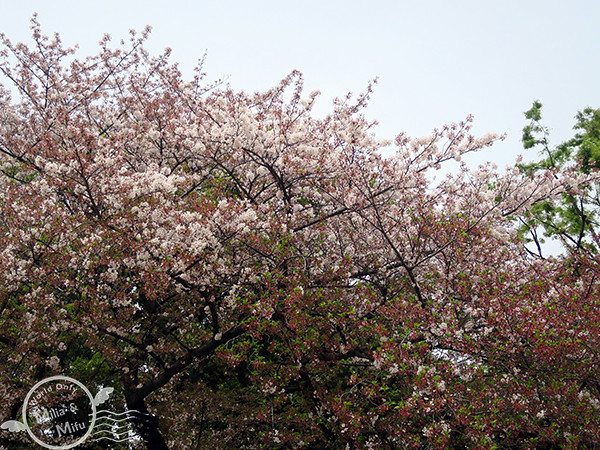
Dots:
pixel 437 61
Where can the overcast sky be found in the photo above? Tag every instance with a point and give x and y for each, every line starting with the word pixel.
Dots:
pixel 437 61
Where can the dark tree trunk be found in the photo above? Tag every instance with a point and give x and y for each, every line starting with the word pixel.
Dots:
pixel 145 423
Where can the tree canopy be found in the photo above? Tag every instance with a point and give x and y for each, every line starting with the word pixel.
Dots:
pixel 253 276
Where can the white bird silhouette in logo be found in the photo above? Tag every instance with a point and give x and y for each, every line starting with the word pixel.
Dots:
pixel 102 396
pixel 13 426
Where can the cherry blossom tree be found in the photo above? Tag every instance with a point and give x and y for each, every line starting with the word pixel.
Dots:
pixel 252 275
